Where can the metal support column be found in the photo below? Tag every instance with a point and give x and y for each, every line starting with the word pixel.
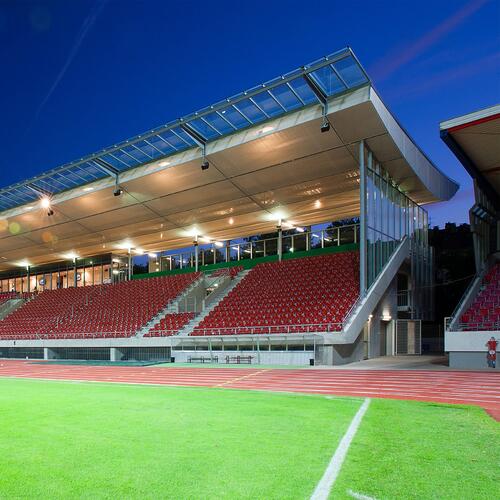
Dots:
pixel 29 279
pixel 280 240
pixel 129 265
pixel 196 258
pixel 362 219
pixel 75 281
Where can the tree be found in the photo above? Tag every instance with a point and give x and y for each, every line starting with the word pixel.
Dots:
pixel 454 265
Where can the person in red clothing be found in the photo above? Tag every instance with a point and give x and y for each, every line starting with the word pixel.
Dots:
pixel 491 355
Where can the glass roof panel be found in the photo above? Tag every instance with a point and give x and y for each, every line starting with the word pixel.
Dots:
pixel 137 154
pixel 350 71
pixel 250 111
pixel 125 158
pixel 274 98
pixel 235 117
pixel 149 149
pixel 267 104
pixel 161 145
pixel 204 129
pixel 303 90
pixel 286 97
pixel 217 121
pixel 329 82
pixel 178 138
pixel 114 161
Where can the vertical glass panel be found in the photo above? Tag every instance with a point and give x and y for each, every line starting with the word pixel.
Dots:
pixel 300 242
pixel 287 244
pixel 272 246
pixel 347 235
pixel 106 274
pixel 245 251
pixel 258 249
pixel 234 253
pixel 316 240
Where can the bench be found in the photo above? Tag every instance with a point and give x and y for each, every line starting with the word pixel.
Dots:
pixel 203 359
pixel 239 359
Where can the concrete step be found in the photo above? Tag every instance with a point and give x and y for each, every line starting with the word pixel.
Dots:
pixel 171 307
pixel 10 306
pixel 189 327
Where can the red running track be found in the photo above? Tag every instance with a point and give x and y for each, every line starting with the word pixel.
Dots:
pixel 455 387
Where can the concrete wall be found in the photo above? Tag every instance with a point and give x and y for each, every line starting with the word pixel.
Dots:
pixel 386 308
pixel 468 349
pixel 348 353
pixel 468 341
pixel 285 358
pixel 471 360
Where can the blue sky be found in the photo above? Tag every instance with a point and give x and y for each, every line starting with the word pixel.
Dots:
pixel 81 75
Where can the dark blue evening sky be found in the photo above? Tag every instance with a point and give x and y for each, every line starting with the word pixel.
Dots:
pixel 80 75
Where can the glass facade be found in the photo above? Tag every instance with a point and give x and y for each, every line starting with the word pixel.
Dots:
pixel 97 270
pixel 230 251
pixel 390 216
pixel 485 227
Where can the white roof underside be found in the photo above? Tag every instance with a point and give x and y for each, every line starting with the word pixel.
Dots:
pixel 310 176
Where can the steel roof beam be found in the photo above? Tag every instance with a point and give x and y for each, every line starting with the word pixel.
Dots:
pixel 321 96
pixel 38 190
pixel 197 138
pixel 106 167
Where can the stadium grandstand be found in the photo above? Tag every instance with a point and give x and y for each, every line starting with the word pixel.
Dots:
pixel 474 139
pixel 283 225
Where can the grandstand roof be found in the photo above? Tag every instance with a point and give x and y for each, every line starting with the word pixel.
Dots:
pixel 475 140
pixel 267 156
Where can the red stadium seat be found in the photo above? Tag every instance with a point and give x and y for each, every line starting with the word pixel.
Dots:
pixel 484 312
pixel 102 310
pixel 300 295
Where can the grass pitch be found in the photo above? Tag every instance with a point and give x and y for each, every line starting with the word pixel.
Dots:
pixel 84 440
pixel 92 440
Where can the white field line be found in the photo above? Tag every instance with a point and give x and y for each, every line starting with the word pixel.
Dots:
pixel 359 496
pixel 325 485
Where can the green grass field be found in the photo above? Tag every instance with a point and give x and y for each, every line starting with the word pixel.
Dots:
pixel 92 440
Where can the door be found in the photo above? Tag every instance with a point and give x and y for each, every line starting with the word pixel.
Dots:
pixel 383 338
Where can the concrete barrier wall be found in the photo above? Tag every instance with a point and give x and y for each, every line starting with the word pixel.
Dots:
pixel 296 358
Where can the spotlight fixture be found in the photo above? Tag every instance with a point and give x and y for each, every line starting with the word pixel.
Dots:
pixel 50 212
pixel 118 191
pixel 325 126
pixel 205 165
pixel 45 202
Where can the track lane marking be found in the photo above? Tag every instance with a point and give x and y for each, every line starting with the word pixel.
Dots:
pixel 237 379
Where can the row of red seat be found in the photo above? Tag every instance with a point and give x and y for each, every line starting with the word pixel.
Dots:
pixel 170 324
pixel 112 310
pixel 484 312
pixel 308 294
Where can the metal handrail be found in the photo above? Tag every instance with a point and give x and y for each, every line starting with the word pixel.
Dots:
pixel 270 329
pixel 248 330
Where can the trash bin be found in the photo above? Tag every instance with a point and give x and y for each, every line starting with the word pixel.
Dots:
pixel 311 362
pixel 172 359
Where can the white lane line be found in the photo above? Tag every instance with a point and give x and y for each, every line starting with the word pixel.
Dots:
pixel 324 487
pixel 359 496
